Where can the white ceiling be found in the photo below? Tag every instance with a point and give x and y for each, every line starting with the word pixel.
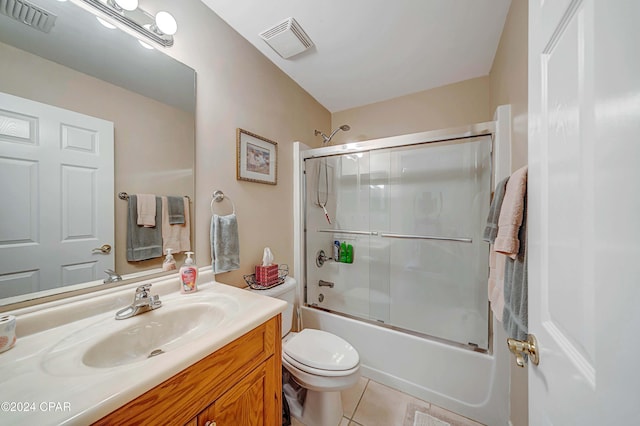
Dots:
pixel 367 51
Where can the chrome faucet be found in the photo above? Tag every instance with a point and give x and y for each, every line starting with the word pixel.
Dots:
pixel 113 276
pixel 143 301
pixel 323 283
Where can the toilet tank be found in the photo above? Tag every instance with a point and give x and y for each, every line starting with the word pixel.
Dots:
pixel 287 292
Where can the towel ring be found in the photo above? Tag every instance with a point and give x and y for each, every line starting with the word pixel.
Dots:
pixel 218 196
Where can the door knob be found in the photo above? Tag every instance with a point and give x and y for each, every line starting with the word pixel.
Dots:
pixel 520 348
pixel 104 249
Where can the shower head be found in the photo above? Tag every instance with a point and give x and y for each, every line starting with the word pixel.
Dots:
pixel 326 138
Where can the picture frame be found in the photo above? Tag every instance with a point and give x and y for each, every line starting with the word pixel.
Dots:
pixel 257 158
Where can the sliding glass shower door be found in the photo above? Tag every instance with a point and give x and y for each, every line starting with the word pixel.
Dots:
pixel 414 216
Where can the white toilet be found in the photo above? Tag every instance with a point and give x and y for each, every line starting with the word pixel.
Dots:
pixel 321 363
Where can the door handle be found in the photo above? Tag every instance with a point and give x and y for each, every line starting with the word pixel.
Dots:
pixel 104 249
pixel 520 348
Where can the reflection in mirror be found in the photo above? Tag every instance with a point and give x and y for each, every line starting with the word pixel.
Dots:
pixel 69 92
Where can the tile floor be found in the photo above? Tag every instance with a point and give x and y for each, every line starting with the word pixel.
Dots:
pixel 370 403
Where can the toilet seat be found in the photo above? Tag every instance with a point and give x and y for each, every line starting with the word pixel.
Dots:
pixel 321 353
pixel 316 371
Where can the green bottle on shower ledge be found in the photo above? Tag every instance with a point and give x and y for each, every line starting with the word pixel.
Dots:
pixel 343 252
pixel 349 253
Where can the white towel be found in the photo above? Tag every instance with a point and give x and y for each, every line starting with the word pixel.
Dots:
pixel 146 210
pixel 225 245
pixel 511 214
pixel 176 237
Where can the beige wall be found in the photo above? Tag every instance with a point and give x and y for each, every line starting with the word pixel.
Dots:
pixel 509 85
pixel 238 87
pixel 508 77
pixel 453 105
pixel 154 147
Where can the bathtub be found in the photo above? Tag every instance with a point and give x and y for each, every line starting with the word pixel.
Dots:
pixel 472 384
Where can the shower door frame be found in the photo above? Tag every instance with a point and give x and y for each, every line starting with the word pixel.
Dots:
pixel 414 139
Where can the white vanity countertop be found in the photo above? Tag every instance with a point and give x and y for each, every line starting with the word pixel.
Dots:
pixel 33 390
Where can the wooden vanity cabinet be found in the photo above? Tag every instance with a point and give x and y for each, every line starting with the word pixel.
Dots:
pixel 238 385
pixel 243 404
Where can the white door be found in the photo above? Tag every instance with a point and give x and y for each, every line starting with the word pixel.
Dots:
pixel 584 211
pixel 56 169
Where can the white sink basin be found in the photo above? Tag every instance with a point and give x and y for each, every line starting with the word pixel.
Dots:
pixel 109 343
pixel 156 333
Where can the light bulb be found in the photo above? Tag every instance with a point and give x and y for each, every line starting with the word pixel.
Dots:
pixel 127 4
pixel 166 23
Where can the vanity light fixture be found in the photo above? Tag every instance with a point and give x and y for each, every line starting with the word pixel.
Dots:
pixel 159 29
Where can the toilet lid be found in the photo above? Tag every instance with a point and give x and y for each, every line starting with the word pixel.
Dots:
pixel 321 350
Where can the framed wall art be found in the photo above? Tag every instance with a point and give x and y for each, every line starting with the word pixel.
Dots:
pixel 257 158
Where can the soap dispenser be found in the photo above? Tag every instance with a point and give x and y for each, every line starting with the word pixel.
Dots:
pixel 169 263
pixel 188 275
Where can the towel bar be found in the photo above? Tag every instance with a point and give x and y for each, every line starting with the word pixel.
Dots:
pixel 425 237
pixel 125 196
pixel 391 235
pixel 345 231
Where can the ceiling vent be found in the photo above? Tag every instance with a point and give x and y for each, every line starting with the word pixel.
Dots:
pixel 28 14
pixel 287 38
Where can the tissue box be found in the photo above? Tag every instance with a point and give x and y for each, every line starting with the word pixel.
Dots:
pixel 266 275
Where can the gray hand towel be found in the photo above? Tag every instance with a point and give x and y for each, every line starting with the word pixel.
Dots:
pixel 143 243
pixel 491 230
pixel 225 245
pixel 176 210
pixel 515 316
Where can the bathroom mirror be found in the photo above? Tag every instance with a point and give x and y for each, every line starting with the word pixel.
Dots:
pixel 84 67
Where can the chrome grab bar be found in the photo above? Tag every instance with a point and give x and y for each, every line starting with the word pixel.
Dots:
pixel 392 235
pixel 345 231
pixel 425 237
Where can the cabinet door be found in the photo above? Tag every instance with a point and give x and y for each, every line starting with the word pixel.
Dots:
pixel 242 405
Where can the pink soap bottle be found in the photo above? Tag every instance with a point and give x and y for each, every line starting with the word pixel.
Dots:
pixel 188 275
